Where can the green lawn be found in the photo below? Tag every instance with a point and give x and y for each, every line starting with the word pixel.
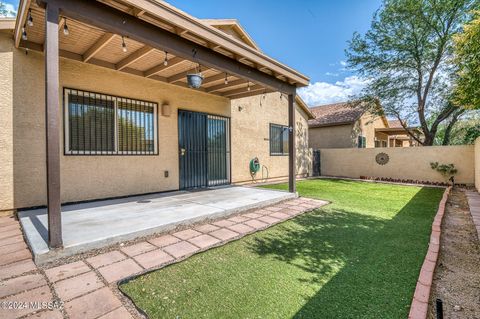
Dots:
pixel 358 257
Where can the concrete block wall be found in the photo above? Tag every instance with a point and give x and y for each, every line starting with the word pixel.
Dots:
pixel 404 163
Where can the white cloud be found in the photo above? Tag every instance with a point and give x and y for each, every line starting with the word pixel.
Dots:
pixel 11 11
pixel 320 93
pixel 343 63
pixel 332 74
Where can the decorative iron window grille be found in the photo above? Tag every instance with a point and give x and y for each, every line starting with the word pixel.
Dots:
pixel 278 140
pixel 100 124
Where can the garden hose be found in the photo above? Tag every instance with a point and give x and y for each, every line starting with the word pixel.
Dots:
pixel 255 168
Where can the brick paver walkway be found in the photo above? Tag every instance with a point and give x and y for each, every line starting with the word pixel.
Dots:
pixel 474 204
pixel 87 288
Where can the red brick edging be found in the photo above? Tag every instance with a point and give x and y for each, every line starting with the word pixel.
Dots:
pixel 419 306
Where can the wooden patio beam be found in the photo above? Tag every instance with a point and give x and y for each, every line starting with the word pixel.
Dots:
pixel 253 88
pixel 248 94
pixel 161 67
pixel 97 46
pixel 214 78
pixel 223 85
pixel 135 56
pixel 114 21
pixel 52 119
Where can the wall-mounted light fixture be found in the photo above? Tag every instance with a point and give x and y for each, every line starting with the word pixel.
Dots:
pixel 166 109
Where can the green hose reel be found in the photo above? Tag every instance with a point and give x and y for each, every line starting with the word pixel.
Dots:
pixel 254 166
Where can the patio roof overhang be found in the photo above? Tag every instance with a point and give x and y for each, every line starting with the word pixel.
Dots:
pixel 397 130
pixel 150 29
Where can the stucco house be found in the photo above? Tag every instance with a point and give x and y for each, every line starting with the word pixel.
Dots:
pixel 347 125
pixel 95 103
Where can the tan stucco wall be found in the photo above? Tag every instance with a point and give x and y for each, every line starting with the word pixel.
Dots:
pixel 83 177
pixel 250 136
pixel 6 129
pixel 367 124
pixel 346 136
pixel 405 163
pixel 340 136
pixel 477 163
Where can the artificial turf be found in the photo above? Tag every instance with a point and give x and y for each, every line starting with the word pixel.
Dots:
pixel 358 257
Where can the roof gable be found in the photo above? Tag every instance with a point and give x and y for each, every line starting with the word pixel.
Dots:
pixel 232 28
pixel 335 114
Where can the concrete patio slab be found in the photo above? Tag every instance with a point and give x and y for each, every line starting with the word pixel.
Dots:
pixel 97 224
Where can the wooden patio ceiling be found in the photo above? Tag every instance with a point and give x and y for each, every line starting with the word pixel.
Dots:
pixel 89 44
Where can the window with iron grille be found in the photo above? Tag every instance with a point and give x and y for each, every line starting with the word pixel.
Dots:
pixel 100 124
pixel 278 140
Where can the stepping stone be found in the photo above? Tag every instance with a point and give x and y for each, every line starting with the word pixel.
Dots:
pixel 66 271
pixel 15 256
pixel 238 219
pixel 253 215
pixel 119 270
pixel 47 314
pixel 207 228
pixel 279 215
pixel 186 234
pixel 256 224
pixel 17 268
pixel 138 249
pixel 181 249
pixel 19 284
pixel 204 241
pixel 119 313
pixel 224 234
pixel 73 287
pixel 153 258
pixel 92 305
pixel 41 294
pixel 106 259
pixel 241 229
pixel 223 223
pixel 164 240
pixel 269 220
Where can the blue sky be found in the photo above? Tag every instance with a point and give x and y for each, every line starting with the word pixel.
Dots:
pixel 308 35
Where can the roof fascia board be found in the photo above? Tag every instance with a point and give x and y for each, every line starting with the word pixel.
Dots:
pixel 183 20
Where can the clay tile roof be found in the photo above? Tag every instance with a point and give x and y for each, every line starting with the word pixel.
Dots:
pixel 335 114
pixel 394 124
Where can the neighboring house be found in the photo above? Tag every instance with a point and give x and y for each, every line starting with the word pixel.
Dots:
pixel 121 117
pixel 395 135
pixel 343 125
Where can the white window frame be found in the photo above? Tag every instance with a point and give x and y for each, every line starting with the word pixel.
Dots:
pixel 68 151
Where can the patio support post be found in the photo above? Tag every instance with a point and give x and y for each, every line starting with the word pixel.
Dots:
pixel 291 144
pixel 52 120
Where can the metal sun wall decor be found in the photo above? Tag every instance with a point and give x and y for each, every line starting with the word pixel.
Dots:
pixel 382 158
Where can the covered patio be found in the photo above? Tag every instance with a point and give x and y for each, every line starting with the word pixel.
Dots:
pixel 101 223
pixel 154 41
pixel 397 136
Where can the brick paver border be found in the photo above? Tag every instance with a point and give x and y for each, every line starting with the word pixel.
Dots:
pixel 419 306
pixel 87 284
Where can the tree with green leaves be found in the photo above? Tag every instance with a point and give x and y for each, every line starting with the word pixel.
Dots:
pixel 407 55
pixel 3 10
pixel 467 57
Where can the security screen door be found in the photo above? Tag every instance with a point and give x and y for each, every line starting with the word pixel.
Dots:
pixel 204 149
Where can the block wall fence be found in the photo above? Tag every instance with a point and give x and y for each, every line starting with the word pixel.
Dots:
pixel 404 163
